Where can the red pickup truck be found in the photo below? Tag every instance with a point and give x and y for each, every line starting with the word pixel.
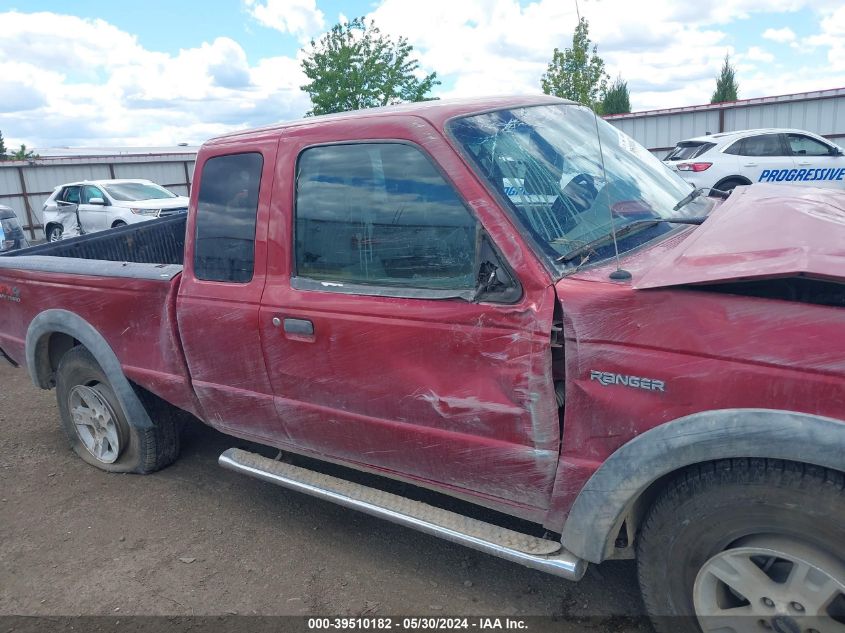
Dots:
pixel 504 300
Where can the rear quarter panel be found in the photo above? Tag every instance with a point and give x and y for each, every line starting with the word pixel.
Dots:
pixel 136 317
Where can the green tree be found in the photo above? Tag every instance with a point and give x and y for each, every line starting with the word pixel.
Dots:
pixel 23 154
pixel 577 73
pixel 727 89
pixel 2 147
pixel 354 66
pixel 616 100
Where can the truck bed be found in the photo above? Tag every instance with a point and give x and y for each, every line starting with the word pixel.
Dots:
pixel 122 282
pixel 159 241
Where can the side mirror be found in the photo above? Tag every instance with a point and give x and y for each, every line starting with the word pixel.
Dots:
pixel 836 151
pixel 494 283
pixel 99 201
pixel 487 279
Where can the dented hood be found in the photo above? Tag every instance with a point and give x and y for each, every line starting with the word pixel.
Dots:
pixel 764 230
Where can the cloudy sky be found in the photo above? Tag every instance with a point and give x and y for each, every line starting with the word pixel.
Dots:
pixel 161 72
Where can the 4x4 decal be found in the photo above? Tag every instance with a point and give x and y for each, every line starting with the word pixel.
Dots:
pixel 10 293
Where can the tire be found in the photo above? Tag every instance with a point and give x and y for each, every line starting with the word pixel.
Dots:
pixel 730 185
pixel 54 233
pixel 96 424
pixel 118 224
pixel 742 511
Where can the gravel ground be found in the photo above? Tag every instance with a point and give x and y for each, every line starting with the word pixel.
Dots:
pixel 196 540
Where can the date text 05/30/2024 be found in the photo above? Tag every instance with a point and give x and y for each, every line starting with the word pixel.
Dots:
pixel 416 624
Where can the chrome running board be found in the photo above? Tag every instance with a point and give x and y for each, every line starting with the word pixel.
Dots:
pixel 530 551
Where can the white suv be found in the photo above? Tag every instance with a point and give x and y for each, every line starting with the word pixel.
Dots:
pixel 726 160
pixel 96 205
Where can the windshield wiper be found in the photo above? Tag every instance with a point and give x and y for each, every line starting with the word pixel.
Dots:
pixel 692 195
pixel 621 232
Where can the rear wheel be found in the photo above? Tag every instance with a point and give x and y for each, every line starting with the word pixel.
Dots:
pixel 730 185
pixel 54 233
pixel 746 545
pixel 96 424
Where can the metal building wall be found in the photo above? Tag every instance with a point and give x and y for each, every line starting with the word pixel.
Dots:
pixel 26 185
pixel 821 112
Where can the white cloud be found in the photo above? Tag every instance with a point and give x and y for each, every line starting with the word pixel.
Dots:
pixel 103 88
pixel 74 81
pixel 670 54
pixel 48 40
pixel 301 18
pixel 496 46
pixel 832 35
pixel 781 36
pixel 757 54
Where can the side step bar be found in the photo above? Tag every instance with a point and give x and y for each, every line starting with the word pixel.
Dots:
pixel 530 551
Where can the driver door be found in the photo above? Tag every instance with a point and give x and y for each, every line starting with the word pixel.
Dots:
pixel 378 351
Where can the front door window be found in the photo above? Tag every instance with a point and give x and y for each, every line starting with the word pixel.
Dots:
pixel 380 214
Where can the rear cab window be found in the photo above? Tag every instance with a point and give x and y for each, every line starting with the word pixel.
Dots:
pixel 227 207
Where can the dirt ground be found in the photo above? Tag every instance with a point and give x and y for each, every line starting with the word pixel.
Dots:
pixel 195 539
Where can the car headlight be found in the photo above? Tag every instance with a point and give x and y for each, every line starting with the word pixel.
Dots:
pixel 153 212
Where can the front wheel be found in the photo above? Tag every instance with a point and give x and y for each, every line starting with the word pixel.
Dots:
pixel 118 223
pixel 96 424
pixel 746 546
pixel 54 233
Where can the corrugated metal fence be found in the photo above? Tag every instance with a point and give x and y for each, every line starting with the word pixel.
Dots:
pixel 26 185
pixel 822 112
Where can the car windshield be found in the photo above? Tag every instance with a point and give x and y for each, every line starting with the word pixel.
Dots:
pixel 563 187
pixel 129 191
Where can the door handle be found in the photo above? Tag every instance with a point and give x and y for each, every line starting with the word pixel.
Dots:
pixel 303 327
pixel 806 162
pixel 750 164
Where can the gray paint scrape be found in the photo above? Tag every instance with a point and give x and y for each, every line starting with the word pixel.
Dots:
pixel 603 503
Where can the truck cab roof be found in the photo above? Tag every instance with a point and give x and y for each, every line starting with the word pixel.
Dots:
pixel 437 111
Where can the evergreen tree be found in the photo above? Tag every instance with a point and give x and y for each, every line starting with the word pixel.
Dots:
pixel 616 99
pixel 727 88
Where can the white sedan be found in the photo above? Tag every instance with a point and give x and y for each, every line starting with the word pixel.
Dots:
pixel 96 205
pixel 723 161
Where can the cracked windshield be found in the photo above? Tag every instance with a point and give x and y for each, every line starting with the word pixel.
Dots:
pixel 567 189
